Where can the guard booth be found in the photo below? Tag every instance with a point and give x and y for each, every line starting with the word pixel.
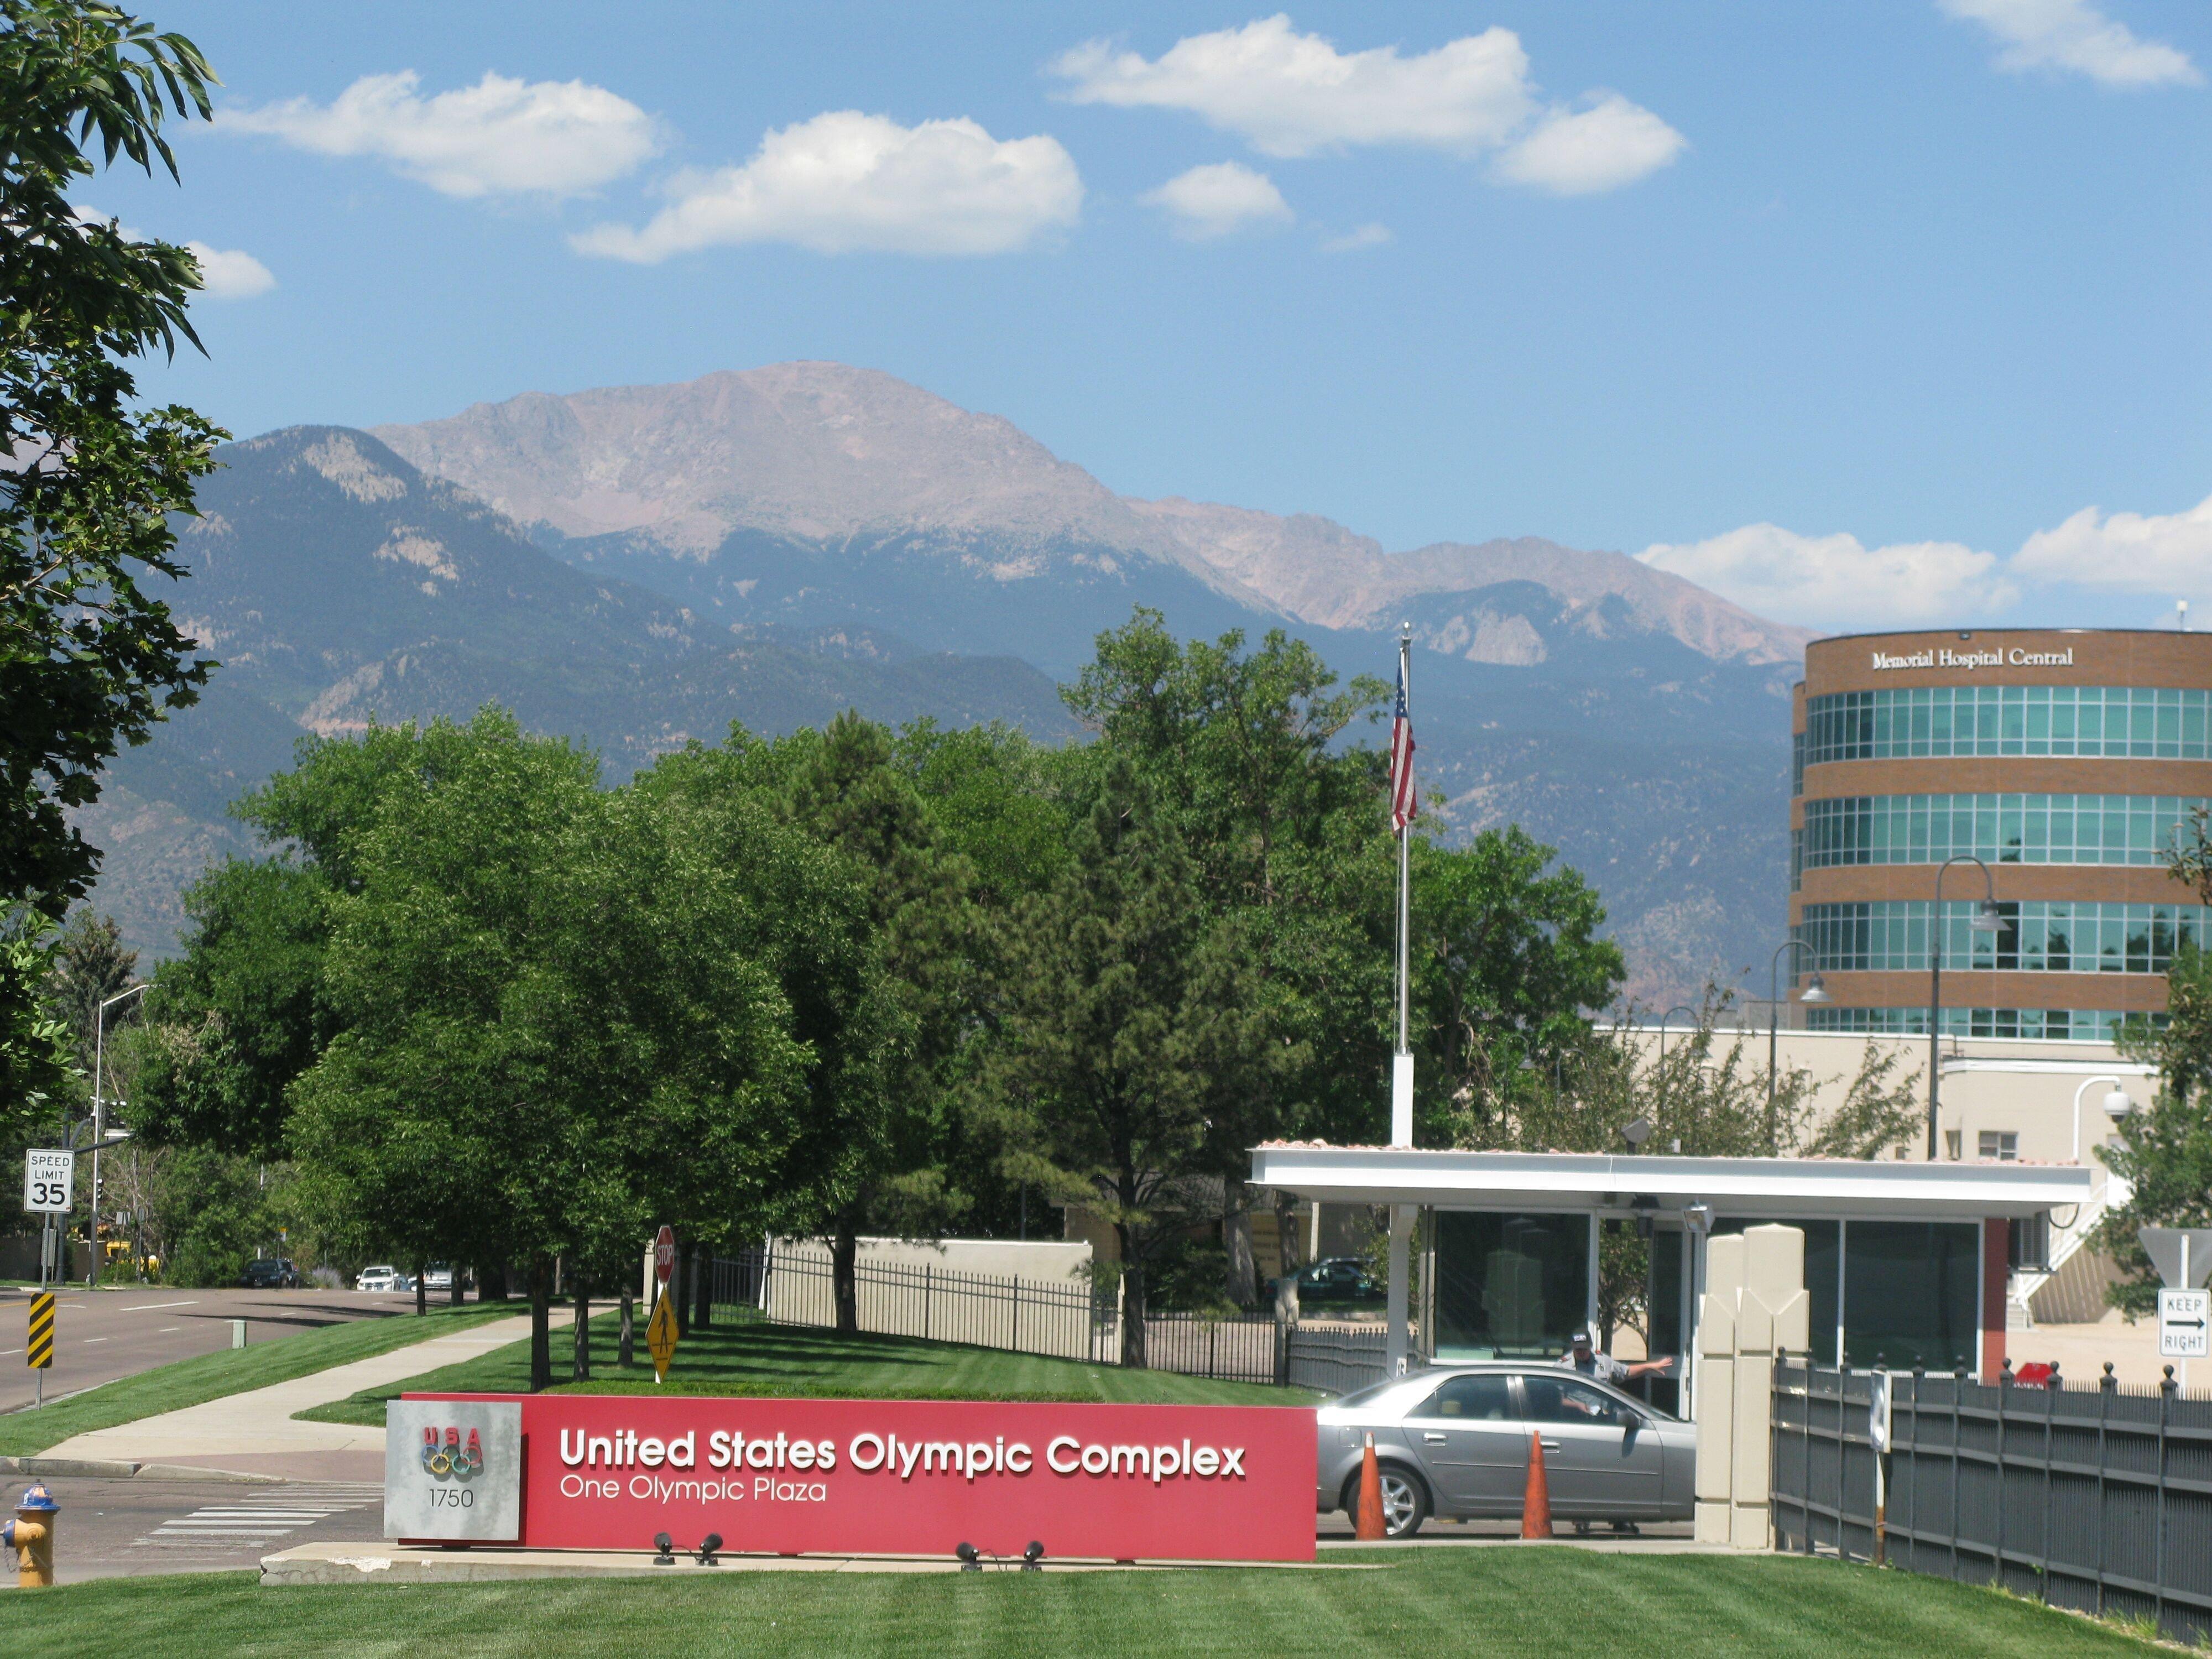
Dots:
pixel 1905 1261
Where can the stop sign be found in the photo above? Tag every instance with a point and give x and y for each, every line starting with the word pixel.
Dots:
pixel 664 1254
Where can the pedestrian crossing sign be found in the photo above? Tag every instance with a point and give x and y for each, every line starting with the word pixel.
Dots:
pixel 661 1335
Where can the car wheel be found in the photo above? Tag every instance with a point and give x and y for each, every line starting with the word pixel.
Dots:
pixel 1404 1500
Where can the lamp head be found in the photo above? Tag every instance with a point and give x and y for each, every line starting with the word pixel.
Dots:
pixel 1815 993
pixel 1636 1131
pixel 1987 919
pixel 970 1557
pixel 1034 1553
pixel 2119 1103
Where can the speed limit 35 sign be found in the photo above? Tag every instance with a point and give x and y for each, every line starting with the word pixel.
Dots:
pixel 48 1180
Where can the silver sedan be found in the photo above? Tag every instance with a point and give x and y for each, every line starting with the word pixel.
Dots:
pixel 1452 1440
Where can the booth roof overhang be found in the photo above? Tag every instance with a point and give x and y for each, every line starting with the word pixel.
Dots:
pixel 1777 1187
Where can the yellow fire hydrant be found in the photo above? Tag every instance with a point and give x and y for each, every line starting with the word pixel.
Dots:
pixel 30 1535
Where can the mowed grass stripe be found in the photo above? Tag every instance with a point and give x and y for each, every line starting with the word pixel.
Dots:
pixel 744 1354
pixel 1505 1599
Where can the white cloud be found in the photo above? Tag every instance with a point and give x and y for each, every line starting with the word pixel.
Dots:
pixel 1579 152
pixel 224 275
pixel 1215 200
pixel 845 182
pixel 1836 581
pixel 500 137
pixel 1293 94
pixel 229 274
pixel 2150 553
pixel 1366 236
pixel 2074 35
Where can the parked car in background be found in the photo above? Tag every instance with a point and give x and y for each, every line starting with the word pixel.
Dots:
pixel 1338 1279
pixel 381 1278
pixel 438 1279
pixel 270 1275
pixel 1453 1441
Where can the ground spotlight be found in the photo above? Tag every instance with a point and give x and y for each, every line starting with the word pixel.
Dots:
pixel 707 1545
pixel 667 1546
pixel 1033 1557
pixel 969 1560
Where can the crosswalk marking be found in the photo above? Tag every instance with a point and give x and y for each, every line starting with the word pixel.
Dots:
pixel 260 1519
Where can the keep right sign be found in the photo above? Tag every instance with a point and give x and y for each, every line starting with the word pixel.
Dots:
pixel 2183 1318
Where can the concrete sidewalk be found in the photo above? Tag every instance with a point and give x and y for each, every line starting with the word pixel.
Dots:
pixel 255 1433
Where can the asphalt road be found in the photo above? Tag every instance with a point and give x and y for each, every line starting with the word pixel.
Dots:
pixel 113 1528
pixel 101 1335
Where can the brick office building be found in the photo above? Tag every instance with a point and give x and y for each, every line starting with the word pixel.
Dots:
pixel 2066 760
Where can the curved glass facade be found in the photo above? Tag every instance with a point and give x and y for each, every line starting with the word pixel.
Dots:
pixel 2052 936
pixel 2109 830
pixel 2080 1025
pixel 2091 721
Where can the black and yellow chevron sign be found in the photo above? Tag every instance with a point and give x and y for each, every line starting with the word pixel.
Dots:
pixel 40 1352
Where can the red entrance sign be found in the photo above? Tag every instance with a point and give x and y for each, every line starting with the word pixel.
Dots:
pixel 1223 1483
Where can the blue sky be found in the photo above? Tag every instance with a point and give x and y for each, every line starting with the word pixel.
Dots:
pixel 1886 312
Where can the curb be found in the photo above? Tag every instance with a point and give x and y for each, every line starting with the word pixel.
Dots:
pixel 106 1468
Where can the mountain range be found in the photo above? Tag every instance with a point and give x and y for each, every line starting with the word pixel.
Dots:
pixel 636 566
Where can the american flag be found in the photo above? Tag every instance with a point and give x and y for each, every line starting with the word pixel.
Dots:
pixel 1405 800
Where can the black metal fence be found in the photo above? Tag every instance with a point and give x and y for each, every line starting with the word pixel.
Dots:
pixel 2096 1499
pixel 1336 1359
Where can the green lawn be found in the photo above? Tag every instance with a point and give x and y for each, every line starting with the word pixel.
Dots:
pixel 189 1382
pixel 750 1356
pixel 1435 1601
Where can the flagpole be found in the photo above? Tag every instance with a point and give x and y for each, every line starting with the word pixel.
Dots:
pixel 1397 1330
pixel 1405 862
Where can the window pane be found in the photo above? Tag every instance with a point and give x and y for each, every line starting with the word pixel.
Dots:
pixel 1510 1286
pixel 1910 1294
pixel 1483 1399
pixel 1557 1400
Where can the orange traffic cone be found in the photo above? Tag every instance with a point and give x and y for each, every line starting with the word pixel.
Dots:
pixel 1536 1501
pixel 1368 1521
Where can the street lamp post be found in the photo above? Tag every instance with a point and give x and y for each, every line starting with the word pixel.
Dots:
pixel 100 1121
pixel 1815 995
pixel 1987 920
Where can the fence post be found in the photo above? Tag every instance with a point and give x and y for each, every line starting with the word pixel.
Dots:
pixel 1958 1424
pixel 1015 1342
pixel 2107 1385
pixel 2166 1392
pixel 1912 1463
pixel 927 1276
pixel 1843 1463
pixel 2004 1389
pixel 2050 1387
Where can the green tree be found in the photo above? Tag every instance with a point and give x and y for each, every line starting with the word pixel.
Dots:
pixel 91 965
pixel 1507 969
pixel 89 659
pixel 1135 1018
pixel 241 1012
pixel 857 867
pixel 2164 1152
pixel 1241 753
pixel 38 1073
